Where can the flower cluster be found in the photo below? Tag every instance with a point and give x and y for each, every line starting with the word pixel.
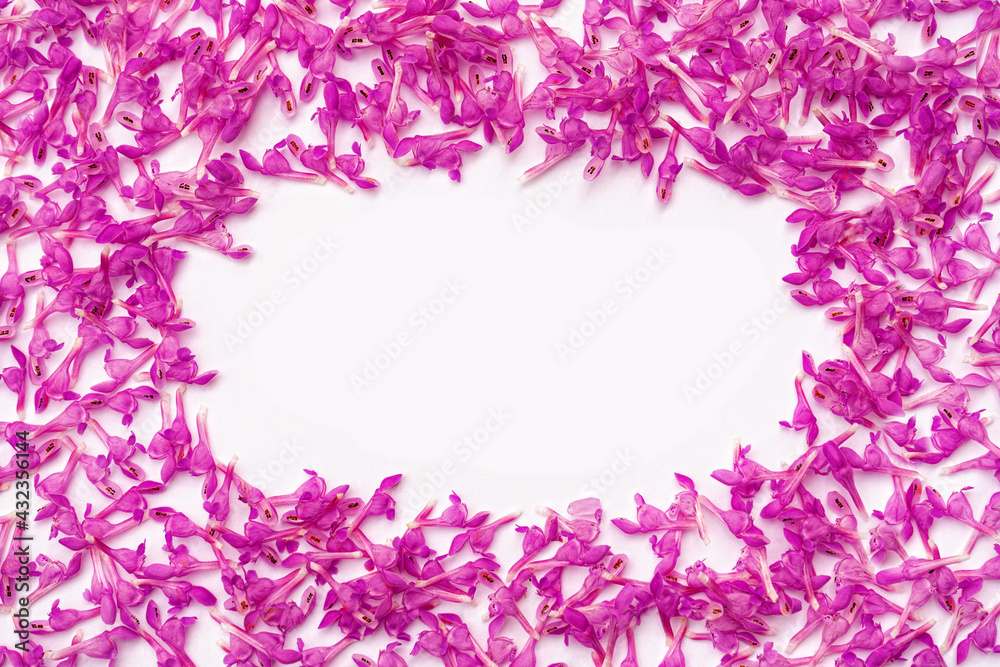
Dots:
pixel 897 272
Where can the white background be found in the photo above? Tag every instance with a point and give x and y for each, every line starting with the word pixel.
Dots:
pixel 526 284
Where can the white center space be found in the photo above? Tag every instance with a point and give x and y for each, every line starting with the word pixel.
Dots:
pixel 518 344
